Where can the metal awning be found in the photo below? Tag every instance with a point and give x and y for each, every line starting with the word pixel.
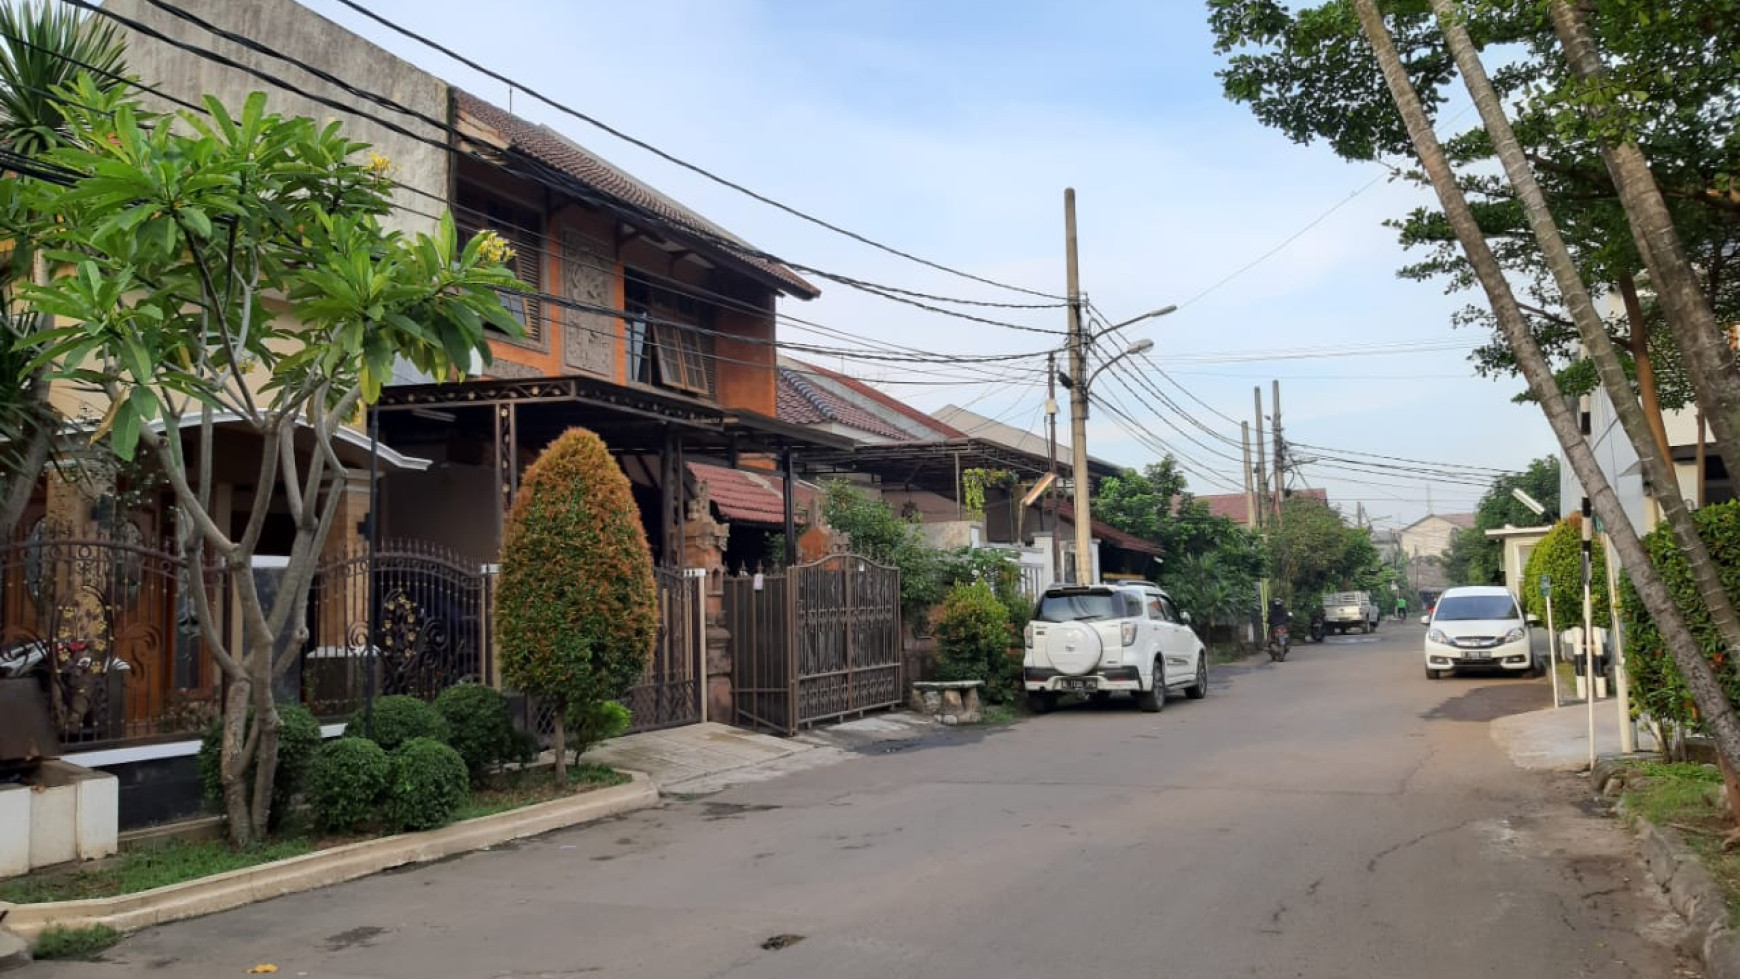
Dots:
pixel 935 464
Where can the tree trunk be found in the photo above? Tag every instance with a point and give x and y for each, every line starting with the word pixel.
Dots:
pixel 234 763
pixel 1655 461
pixel 1709 361
pixel 265 757
pixel 559 744
pixel 1646 388
pixel 18 486
pixel 1696 670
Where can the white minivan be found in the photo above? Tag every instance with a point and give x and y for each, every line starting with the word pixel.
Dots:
pixel 1479 627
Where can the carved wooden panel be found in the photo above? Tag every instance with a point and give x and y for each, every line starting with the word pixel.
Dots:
pixel 588 338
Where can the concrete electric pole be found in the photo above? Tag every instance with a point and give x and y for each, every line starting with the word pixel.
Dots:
pixel 1078 399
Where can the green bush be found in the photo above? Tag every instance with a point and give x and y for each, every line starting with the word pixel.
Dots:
pixel 346 781
pixel 1657 689
pixel 298 738
pixel 592 723
pixel 974 638
pixel 1560 555
pixel 398 719
pixel 478 725
pixel 577 609
pixel 426 784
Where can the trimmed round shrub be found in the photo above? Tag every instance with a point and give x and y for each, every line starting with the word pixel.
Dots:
pixel 298 739
pixel 345 782
pixel 577 610
pixel 592 723
pixel 1657 688
pixel 426 784
pixel 974 636
pixel 478 725
pixel 398 719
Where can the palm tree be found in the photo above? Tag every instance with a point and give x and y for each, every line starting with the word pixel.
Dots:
pixel 1718 713
pixel 1657 468
pixel 43 46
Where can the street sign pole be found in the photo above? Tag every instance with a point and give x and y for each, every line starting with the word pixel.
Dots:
pixel 1552 636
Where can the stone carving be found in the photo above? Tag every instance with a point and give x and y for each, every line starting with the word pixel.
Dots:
pixel 588 339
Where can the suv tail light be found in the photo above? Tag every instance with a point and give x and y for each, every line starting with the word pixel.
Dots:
pixel 1129 633
pixel 1027 635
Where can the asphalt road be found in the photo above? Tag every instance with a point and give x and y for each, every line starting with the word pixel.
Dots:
pixel 1337 815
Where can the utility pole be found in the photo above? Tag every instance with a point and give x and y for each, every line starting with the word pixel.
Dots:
pixel 1280 455
pixel 1078 394
pixel 1051 463
pixel 1250 496
pixel 1262 478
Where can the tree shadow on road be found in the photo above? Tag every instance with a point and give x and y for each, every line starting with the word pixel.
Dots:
pixel 1493 701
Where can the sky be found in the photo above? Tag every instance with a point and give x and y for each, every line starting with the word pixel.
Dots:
pixel 950 131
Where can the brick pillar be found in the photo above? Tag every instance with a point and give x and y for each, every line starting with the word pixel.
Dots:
pixel 704 540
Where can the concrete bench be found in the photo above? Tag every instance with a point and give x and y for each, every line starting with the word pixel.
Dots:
pixel 949 701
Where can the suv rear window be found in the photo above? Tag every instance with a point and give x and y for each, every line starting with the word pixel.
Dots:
pixel 1469 608
pixel 1080 606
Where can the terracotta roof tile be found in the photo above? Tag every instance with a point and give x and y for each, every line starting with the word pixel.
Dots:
pixel 751 497
pixel 805 403
pixel 1109 534
pixel 933 424
pixel 553 149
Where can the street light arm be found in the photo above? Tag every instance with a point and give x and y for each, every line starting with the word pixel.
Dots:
pixel 1151 314
pixel 1139 347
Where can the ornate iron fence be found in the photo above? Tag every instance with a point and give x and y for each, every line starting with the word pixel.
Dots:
pixel 435 628
pixel 819 642
pixel 105 622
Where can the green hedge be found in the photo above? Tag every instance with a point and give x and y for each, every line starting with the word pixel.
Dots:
pixel 1656 685
pixel 478 725
pixel 974 637
pixel 298 739
pixel 1560 554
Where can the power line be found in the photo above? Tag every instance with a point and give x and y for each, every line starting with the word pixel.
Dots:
pixel 553 178
pixel 672 158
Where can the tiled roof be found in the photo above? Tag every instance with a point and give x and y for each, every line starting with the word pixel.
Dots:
pixel 1463 520
pixel 811 395
pixel 553 149
pixel 804 403
pixel 1232 505
pixel 751 497
pixel 1109 534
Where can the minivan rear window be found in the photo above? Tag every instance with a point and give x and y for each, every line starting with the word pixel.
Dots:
pixel 1078 607
pixel 1468 608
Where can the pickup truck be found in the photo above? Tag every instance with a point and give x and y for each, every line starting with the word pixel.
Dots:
pixel 1345 610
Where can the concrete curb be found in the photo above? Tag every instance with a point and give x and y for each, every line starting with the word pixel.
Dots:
pixel 131 912
pixel 1691 891
pixel 14 951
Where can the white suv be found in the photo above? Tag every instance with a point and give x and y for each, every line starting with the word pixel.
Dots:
pixel 1478 626
pixel 1100 639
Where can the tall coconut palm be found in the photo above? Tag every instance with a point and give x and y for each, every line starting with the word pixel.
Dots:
pixel 1657 467
pixel 43 46
pixel 1718 713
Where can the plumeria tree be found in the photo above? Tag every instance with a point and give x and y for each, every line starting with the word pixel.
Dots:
pixel 232 269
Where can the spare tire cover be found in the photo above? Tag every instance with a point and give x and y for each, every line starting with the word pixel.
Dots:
pixel 1072 647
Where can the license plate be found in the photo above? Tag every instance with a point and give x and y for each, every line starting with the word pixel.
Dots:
pixel 1479 654
pixel 1080 686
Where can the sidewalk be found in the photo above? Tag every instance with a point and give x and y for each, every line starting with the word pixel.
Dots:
pixel 704 758
pixel 1557 739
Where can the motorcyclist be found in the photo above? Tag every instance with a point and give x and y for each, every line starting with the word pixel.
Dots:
pixel 1278 615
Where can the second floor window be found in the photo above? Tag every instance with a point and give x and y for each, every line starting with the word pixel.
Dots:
pixel 663 349
pixel 522 227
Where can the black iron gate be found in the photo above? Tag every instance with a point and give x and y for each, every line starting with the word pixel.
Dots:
pixel 816 643
pixel 670 689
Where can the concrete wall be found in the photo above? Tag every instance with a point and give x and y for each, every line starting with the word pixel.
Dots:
pixel 1428 538
pixel 301 34
pixel 1619 463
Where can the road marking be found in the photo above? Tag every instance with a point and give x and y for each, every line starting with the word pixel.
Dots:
pixel 1347 640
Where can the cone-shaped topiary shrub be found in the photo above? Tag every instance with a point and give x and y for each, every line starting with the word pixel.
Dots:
pixel 576 609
